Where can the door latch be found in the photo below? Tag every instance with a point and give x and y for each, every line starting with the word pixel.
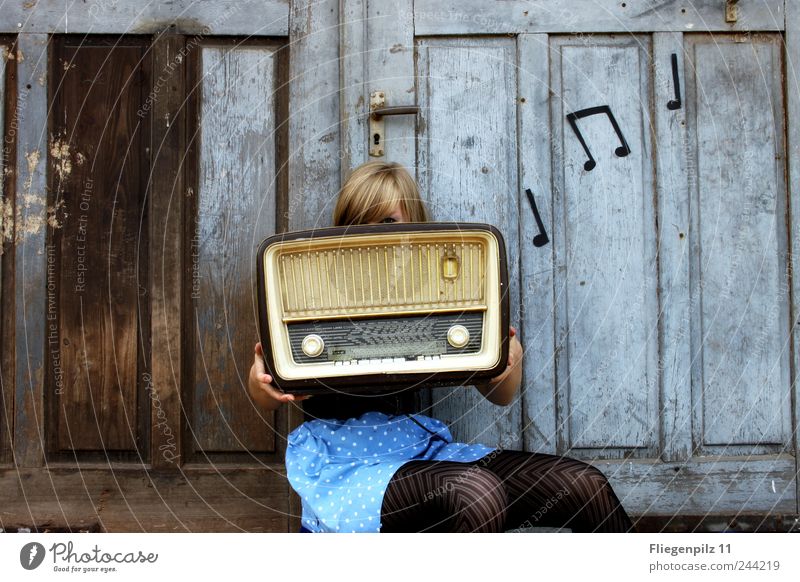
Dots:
pixel 731 11
pixel 379 110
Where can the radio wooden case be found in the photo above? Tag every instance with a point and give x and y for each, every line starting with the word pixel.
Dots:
pixel 383 306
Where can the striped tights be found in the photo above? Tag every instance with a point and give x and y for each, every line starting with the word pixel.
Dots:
pixel 502 491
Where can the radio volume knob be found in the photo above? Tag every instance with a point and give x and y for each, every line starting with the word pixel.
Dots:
pixel 312 345
pixel 458 336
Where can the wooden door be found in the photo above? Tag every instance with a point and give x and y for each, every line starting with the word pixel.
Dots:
pixel 635 359
pixel 145 168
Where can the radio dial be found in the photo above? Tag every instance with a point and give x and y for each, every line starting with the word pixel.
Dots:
pixel 312 345
pixel 458 336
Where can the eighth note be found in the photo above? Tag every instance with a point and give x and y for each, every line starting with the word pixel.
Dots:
pixel 540 239
pixel 622 151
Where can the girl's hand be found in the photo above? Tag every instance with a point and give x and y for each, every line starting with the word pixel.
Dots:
pixel 260 385
pixel 514 356
pixel 502 389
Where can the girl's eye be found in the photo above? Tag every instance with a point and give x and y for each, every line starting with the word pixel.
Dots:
pixel 388 219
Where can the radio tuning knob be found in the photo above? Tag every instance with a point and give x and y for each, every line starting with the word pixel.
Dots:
pixel 312 345
pixel 458 336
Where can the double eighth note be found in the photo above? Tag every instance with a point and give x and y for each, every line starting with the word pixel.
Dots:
pixel 622 151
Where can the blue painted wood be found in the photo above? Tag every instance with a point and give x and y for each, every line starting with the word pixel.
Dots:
pixel 30 258
pixel 236 210
pixel 741 377
pixel 605 250
pixel 468 172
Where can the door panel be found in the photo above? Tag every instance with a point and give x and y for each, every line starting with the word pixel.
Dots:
pixel 6 234
pixel 742 377
pixel 236 197
pixel 467 172
pixel 605 251
pixel 98 257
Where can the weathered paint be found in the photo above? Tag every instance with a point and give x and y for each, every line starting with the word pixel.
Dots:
pixel 30 260
pixel 434 17
pixel 793 163
pixel 236 210
pixel 468 173
pixel 605 254
pixel 672 194
pixel 537 300
pixel 230 17
pixel 741 296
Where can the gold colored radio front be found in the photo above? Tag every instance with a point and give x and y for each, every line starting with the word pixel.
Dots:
pixel 382 306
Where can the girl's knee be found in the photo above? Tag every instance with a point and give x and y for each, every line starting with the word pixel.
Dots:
pixel 478 498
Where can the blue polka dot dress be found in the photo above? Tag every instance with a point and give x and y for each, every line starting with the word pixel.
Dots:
pixel 341 468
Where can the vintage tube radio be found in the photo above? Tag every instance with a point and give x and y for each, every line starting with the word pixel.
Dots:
pixel 383 306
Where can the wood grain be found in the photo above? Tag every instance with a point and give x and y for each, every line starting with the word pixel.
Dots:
pixel 314 142
pixel 95 156
pixel 131 499
pixel 30 257
pixel 354 95
pixel 164 381
pixel 468 172
pixel 246 17
pixel 605 257
pixel 742 379
pixel 793 183
pixel 672 193
pixel 437 17
pixel 536 264
pixel 236 199
pixel 390 69
pixel 6 408
pixel 714 485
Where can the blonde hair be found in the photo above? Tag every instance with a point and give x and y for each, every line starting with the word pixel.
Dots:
pixel 373 190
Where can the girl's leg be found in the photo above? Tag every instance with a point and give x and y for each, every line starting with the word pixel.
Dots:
pixel 552 491
pixel 443 496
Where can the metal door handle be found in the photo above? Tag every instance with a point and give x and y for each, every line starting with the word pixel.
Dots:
pixel 395 110
pixel 378 110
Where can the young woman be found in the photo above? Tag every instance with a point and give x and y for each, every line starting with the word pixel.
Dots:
pixel 368 463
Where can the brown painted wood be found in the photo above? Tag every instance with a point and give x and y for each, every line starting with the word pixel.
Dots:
pixel 8 103
pixel 97 171
pixel 165 381
pixel 219 499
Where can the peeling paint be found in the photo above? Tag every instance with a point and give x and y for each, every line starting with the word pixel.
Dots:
pixel 29 4
pixel 6 221
pixel 60 153
pixel 52 212
pixel 327 138
pixel 80 159
pixel 28 223
pixel 20 56
pixel 33 161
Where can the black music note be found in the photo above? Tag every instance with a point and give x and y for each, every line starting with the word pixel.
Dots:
pixel 621 151
pixel 540 239
pixel 674 104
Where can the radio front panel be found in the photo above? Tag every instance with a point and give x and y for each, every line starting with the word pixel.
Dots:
pixel 376 305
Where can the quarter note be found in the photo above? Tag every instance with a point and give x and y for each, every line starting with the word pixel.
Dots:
pixel 674 104
pixel 540 239
pixel 622 151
